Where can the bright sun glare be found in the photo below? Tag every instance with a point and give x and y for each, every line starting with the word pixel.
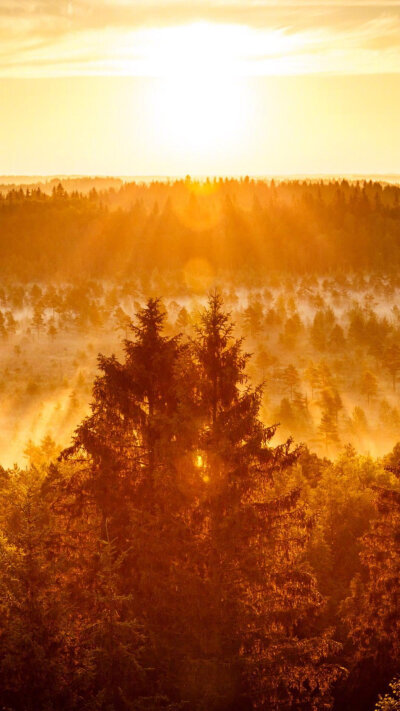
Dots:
pixel 199 114
pixel 199 107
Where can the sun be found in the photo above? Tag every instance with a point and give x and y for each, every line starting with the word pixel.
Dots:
pixel 200 108
pixel 199 112
pixel 201 115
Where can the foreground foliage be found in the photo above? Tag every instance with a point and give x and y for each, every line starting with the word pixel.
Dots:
pixel 174 558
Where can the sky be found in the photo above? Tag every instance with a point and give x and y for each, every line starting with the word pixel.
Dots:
pixel 216 87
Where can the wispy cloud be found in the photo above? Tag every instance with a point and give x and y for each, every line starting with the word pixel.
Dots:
pixel 59 37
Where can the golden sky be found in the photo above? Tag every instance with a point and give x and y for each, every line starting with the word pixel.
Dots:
pixel 210 86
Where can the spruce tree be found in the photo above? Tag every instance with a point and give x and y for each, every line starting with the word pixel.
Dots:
pixel 176 466
pixel 133 426
pixel 260 598
pixel 372 611
pixel 132 478
pixel 34 631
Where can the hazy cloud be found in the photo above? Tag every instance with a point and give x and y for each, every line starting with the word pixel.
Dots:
pixel 90 36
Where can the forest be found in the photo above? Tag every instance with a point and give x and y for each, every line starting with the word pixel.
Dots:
pixel 200 450
pixel 242 228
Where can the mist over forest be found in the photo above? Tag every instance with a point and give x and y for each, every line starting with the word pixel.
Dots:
pixel 291 260
pixel 240 227
pixel 200 445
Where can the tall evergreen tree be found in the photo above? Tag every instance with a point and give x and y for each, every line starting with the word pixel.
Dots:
pixel 259 648
pixel 132 470
pixel 373 610
pixel 175 464
pixel 34 630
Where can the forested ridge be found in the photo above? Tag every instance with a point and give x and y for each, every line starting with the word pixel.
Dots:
pixel 175 557
pixel 241 227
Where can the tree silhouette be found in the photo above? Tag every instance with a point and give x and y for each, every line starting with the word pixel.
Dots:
pixel 255 538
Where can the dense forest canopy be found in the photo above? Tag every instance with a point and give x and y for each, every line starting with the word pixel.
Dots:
pixel 242 227
pixel 205 513
pixel 173 557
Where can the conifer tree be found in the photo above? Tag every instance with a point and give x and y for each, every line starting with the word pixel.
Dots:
pixel 34 632
pixel 113 646
pixel 368 384
pixel 131 478
pixel 373 609
pixel 259 649
pixel 175 464
pixel 132 429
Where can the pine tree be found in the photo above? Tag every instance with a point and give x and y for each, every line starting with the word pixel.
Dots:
pixel 331 404
pixel 369 386
pixel 34 633
pixel 373 610
pixel 258 651
pixel 291 378
pixel 113 646
pixel 391 361
pixel 174 466
pixel 132 428
pixel 131 478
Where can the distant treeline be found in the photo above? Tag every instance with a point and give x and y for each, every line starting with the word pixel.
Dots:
pixel 47 184
pixel 242 226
